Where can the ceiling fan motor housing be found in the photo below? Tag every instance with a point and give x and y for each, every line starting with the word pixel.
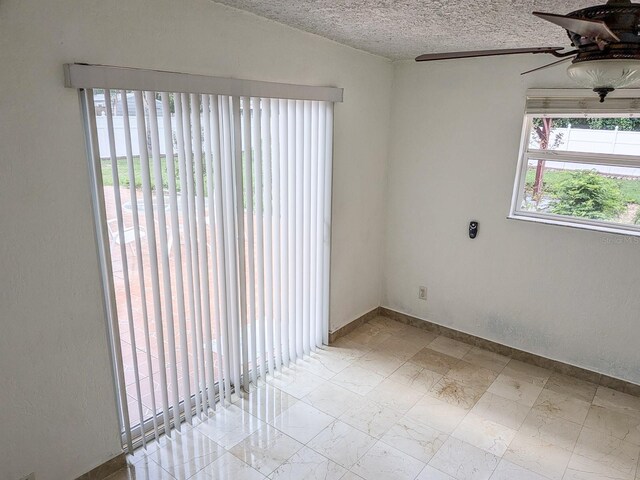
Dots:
pixel 613 64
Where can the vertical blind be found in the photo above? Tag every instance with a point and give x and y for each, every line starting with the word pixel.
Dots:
pixel 213 217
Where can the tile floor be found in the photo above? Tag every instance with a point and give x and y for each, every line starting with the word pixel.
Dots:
pixel 394 402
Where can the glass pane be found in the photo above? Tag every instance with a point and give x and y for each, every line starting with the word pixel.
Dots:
pixel 587 135
pixel 595 192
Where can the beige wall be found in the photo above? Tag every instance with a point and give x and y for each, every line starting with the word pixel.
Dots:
pixel 567 294
pixel 57 411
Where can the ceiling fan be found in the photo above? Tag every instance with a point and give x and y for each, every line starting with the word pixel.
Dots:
pixel 606 41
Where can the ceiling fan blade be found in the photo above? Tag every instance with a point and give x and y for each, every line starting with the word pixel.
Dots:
pixel 485 53
pixel 586 27
pixel 548 65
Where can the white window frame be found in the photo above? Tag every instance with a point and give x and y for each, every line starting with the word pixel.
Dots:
pixel 526 154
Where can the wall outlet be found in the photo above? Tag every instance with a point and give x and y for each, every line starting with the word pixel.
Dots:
pixel 31 476
pixel 422 293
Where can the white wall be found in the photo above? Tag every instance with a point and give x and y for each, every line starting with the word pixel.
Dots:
pixel 567 294
pixel 57 412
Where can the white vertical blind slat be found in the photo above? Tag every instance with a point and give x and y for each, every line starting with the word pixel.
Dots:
pixel 326 271
pixel 153 256
pixel 110 297
pixel 306 229
pixel 299 225
pixel 123 251
pixel 272 239
pixel 212 269
pixel 205 324
pixel 164 255
pixel 283 264
pixel 313 228
pixel 228 174
pixel 248 244
pixel 256 140
pixel 240 240
pixel 291 227
pixel 177 255
pixel 183 130
pixel 133 200
pixel 221 268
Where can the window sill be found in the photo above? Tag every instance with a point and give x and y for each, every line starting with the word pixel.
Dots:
pixel 582 225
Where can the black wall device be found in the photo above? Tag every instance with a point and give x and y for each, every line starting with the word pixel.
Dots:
pixel 473 229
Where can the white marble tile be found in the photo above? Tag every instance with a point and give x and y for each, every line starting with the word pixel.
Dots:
pixel 590 473
pixel 510 471
pixel 434 361
pixel 382 363
pixel 331 362
pixel 357 379
pixel 486 359
pixel 485 434
pixel 297 382
pixel 464 461
pixel 186 453
pixel 388 325
pixel 538 456
pixel 351 476
pixel 383 462
pixel 332 399
pixel 342 443
pixel 321 369
pixel 394 395
pixel 612 422
pixel 416 377
pixel 143 469
pixel 266 402
pixel 419 441
pixel 437 414
pixel 266 449
pixel 457 393
pixel 526 372
pixel 308 464
pixel 368 335
pixel 598 453
pixel 449 346
pixel 302 421
pixel 371 418
pixel 399 348
pixel 549 429
pixel 561 405
pixel 229 467
pixel 345 349
pixel 515 389
pixel 617 401
pixel 470 374
pixel 228 426
pixel 501 410
pixel 430 473
pixel 572 387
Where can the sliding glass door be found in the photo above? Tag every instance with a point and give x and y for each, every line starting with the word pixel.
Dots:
pixel 213 222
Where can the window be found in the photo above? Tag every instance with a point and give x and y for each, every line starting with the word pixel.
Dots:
pixel 213 200
pixel 579 165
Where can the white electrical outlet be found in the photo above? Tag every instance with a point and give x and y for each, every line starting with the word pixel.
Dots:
pixel 31 476
pixel 422 293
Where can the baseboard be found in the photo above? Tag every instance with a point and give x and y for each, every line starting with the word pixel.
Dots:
pixel 553 365
pixel 351 326
pixel 107 468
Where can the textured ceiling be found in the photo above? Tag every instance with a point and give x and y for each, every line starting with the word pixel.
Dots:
pixel 406 28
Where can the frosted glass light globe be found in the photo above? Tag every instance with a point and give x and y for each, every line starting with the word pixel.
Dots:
pixel 613 73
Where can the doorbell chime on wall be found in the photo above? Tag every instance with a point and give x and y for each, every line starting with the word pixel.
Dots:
pixel 473 229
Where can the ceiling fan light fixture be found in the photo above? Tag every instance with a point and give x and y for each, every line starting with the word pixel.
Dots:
pixel 603 76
